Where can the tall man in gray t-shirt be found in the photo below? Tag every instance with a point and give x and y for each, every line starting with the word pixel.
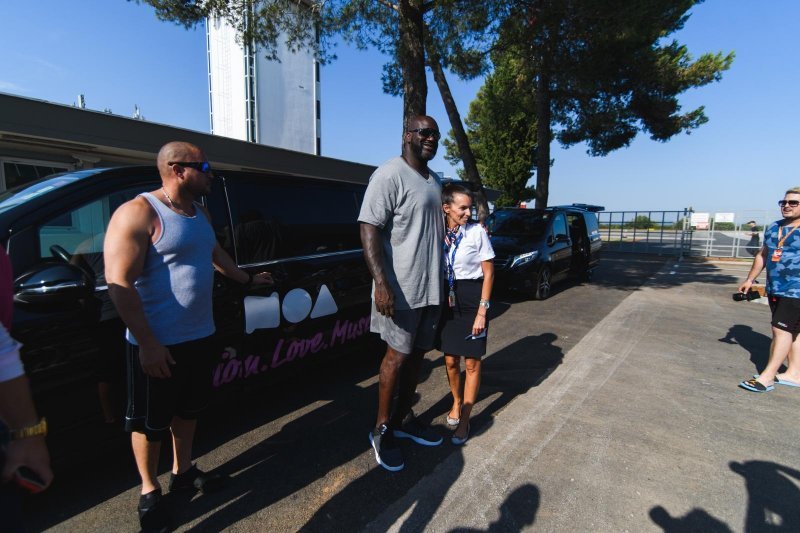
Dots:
pixel 402 230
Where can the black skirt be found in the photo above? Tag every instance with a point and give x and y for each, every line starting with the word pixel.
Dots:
pixel 456 322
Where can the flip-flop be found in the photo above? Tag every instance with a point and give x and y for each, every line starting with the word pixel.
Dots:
pixel 754 385
pixel 458 441
pixel 786 382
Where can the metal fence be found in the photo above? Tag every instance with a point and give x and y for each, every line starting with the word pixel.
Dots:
pixel 671 233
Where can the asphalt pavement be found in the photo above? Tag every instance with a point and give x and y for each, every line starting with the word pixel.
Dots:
pixel 611 406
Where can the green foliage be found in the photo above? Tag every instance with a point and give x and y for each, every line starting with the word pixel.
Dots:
pixel 447 34
pixel 501 124
pixel 724 226
pixel 679 223
pixel 597 71
pixel 640 222
pixel 613 72
pixel 265 23
pixel 605 69
pixel 460 30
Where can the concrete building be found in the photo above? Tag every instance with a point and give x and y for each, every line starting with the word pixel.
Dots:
pixel 276 103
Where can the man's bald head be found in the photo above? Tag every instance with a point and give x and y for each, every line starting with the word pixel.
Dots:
pixel 420 121
pixel 176 151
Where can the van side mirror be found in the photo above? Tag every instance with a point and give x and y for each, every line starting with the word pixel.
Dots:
pixel 52 286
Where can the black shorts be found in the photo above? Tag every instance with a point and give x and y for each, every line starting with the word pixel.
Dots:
pixel 785 313
pixel 153 402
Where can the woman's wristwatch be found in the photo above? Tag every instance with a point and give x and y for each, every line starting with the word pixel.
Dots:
pixel 484 303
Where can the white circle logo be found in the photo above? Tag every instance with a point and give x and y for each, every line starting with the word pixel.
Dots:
pixel 296 305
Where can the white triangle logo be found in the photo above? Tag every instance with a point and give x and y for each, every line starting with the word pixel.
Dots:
pixel 325 305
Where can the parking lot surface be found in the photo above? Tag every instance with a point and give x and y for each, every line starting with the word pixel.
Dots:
pixel 611 406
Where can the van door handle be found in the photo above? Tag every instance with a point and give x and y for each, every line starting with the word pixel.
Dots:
pixel 46 289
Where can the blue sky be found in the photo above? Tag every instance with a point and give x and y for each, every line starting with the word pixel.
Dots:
pixel 118 54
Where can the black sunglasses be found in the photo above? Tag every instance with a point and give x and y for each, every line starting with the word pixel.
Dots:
pixel 427 132
pixel 202 166
pixel 790 203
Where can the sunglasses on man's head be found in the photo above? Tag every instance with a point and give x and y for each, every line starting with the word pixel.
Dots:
pixel 202 166
pixel 427 132
pixel 790 203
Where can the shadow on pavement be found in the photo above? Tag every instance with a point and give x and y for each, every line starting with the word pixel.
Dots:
pixel 773 497
pixel 108 466
pixel 506 374
pixel 633 268
pixel 619 271
pixel 308 447
pixel 695 521
pixel 317 424
pixel 773 503
pixel 517 512
pixel 757 344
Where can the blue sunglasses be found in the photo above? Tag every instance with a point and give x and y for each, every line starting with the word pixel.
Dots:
pixel 202 166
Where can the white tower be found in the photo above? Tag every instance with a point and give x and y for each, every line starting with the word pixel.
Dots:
pixel 253 99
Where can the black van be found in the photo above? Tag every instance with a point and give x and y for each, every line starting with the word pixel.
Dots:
pixel 302 230
pixel 535 248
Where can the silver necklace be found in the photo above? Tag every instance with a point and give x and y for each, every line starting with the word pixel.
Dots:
pixel 172 205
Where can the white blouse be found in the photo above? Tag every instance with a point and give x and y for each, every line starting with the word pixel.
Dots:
pixel 472 250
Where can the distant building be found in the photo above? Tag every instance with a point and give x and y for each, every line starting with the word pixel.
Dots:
pixel 276 103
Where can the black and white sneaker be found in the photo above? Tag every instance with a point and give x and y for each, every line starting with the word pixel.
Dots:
pixel 386 451
pixel 413 429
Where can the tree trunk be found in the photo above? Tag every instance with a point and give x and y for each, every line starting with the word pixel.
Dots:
pixel 543 134
pixel 411 57
pixel 465 151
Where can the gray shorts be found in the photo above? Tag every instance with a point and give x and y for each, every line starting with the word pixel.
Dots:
pixel 408 328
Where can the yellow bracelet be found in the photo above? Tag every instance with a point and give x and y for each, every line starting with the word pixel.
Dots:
pixel 40 428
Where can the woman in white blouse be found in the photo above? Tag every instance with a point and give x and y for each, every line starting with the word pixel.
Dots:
pixel 469 274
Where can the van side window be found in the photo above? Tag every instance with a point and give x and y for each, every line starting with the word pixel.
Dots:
pixel 218 209
pixel 592 226
pixel 559 225
pixel 80 232
pixel 276 218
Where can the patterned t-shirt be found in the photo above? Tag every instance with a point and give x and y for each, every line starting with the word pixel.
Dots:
pixel 783 276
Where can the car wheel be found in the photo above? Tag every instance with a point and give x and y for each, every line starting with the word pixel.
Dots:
pixel 543 283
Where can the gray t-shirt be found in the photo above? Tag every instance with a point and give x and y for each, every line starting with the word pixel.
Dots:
pixel 408 209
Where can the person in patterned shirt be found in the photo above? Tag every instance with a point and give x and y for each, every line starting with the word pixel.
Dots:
pixel 780 255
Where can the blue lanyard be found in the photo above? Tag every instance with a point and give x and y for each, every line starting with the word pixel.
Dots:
pixel 454 238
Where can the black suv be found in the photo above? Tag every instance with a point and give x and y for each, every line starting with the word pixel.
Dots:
pixel 535 248
pixel 319 305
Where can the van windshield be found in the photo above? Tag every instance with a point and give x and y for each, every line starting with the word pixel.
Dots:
pixel 515 223
pixel 23 193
